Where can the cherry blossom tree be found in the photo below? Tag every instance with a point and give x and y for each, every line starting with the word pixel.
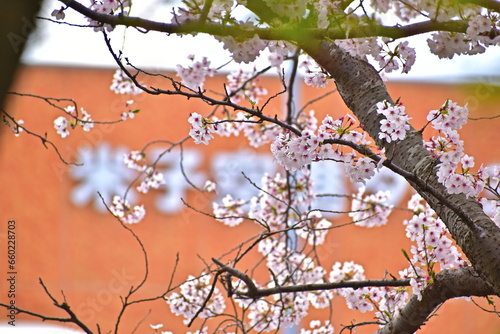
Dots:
pixel 456 244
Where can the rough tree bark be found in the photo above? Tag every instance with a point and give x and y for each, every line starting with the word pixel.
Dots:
pixel 448 284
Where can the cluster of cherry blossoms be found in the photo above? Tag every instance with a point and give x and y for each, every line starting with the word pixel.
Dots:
pixel 108 7
pixel 230 212
pixel 286 311
pixel 244 51
pixel 360 170
pixel 127 214
pixel 194 9
pixel 193 294
pixel 288 267
pixel 483 31
pixel 258 133
pixel 102 7
pixel 405 54
pixel 279 51
pixel 276 210
pixel 432 245
pixel 314 76
pixel 386 301
pixel 491 178
pixel 270 206
pixel 153 179
pixel 356 299
pixel 371 210
pixel 388 58
pixel 242 85
pixel 395 124
pixel 316 328
pixel 122 84
pixel 449 149
pixel 194 75
pixel 201 129
pixel 62 124
pixel 296 152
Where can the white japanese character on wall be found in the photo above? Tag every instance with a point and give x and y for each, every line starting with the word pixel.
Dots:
pixel 103 171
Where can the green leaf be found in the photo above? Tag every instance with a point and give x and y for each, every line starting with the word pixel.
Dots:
pixel 405 254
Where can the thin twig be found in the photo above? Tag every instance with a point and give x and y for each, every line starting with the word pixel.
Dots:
pixel 44 140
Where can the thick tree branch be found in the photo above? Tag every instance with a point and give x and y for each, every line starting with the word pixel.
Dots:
pixel 448 284
pixel 255 292
pixel 288 33
pixel 490 4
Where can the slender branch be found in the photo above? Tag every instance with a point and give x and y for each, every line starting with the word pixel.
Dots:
pixel 64 306
pixel 125 302
pixel 316 99
pixel 483 118
pixel 206 10
pixel 141 245
pixel 198 95
pixel 55 319
pixel 59 100
pixel 44 139
pixel 254 292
